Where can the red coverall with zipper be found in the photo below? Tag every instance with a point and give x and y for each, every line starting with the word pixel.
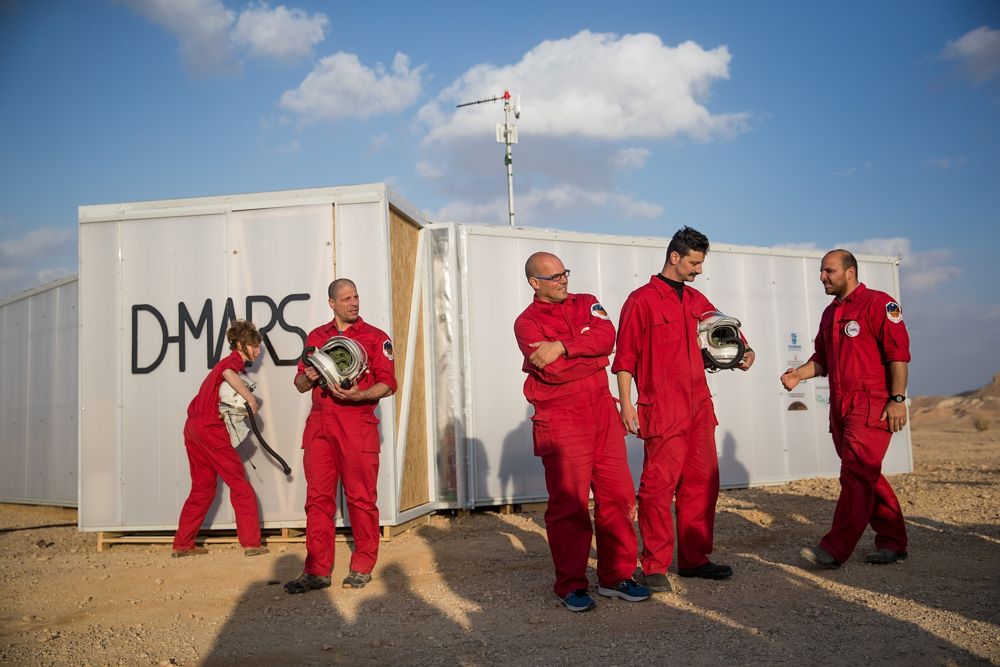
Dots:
pixel 341 443
pixel 581 441
pixel 211 455
pixel 858 338
pixel 658 345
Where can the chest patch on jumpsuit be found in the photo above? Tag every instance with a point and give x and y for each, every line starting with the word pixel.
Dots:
pixel 852 328
pixel 894 312
pixel 597 310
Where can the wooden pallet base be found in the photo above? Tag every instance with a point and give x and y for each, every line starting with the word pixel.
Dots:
pixel 106 539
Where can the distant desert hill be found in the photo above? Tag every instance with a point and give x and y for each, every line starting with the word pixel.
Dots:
pixel 978 405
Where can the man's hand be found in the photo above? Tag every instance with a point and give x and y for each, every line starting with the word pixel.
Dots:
pixel 629 417
pixel 748 359
pixel 546 351
pixel 311 373
pixel 352 393
pixel 789 379
pixel 895 414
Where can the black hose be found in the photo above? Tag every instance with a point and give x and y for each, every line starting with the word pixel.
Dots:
pixel 263 442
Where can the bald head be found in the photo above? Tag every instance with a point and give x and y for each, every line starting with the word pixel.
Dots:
pixel 533 267
pixel 846 259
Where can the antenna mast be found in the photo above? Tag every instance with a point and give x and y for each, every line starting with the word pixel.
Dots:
pixel 507 135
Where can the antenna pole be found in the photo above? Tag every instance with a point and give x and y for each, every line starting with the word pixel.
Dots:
pixel 507 135
pixel 508 159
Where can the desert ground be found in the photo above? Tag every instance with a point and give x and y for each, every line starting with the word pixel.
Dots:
pixel 475 589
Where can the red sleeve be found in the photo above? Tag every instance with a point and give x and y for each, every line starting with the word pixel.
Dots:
pixel 560 371
pixel 381 361
pixel 819 345
pixel 887 322
pixel 599 339
pixel 631 324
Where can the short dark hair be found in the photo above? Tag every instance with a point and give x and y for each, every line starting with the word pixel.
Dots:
pixel 243 332
pixel 686 240
pixel 335 286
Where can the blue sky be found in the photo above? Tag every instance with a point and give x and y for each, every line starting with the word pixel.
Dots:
pixel 869 124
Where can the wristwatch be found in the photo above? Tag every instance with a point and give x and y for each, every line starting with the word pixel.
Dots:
pixel 898 398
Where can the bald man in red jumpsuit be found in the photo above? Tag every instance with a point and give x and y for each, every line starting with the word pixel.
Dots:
pixel 864 348
pixel 566 339
pixel 341 443
pixel 658 347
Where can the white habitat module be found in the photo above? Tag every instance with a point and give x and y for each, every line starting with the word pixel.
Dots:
pixel 159 284
pixel 160 281
pixel 765 434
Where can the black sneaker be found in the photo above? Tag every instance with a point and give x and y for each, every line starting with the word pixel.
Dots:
pixel 306 582
pixel 709 570
pixel 883 556
pixel 658 583
pixel 819 556
pixel 357 579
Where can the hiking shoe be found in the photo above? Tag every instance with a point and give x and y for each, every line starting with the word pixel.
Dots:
pixel 883 556
pixel 657 583
pixel 578 600
pixel 306 582
pixel 255 551
pixel 709 570
pixel 628 590
pixel 820 557
pixel 193 551
pixel 356 579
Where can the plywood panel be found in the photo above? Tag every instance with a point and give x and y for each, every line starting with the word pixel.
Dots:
pixel 403 237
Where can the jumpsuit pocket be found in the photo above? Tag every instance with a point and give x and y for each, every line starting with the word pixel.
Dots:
pixel 367 427
pixel 665 329
pixel 542 436
pixel 876 404
pixel 649 422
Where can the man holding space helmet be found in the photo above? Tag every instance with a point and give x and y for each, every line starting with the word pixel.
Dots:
pixel 658 346
pixel 341 443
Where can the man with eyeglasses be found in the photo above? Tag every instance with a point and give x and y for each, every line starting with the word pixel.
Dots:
pixel 566 340
pixel 658 347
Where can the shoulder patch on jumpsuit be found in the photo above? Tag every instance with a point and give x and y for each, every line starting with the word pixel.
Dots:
pixel 597 310
pixel 894 312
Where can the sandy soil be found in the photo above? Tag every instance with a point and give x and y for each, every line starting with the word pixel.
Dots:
pixel 475 589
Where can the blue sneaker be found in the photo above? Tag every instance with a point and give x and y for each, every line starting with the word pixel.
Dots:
pixel 579 600
pixel 627 590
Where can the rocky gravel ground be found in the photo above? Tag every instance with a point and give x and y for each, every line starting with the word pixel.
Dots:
pixel 475 590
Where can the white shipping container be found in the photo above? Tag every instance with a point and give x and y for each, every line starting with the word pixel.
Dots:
pixel 765 434
pixel 38 407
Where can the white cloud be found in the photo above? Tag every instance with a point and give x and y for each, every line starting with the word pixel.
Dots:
pixel 340 86
pixel 536 207
pixel 36 257
pixel 377 143
pixel 280 33
pixel 35 244
pixel 977 54
pixel 428 171
pixel 595 85
pixel 200 26
pixel 210 34
pixel 631 158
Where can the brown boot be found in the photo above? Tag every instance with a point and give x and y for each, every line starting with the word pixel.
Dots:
pixel 193 551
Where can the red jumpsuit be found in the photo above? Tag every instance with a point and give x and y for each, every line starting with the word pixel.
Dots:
pixel 858 338
pixel 341 443
pixel 658 345
pixel 211 455
pixel 581 442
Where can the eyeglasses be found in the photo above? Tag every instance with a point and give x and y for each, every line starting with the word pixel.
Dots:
pixel 555 276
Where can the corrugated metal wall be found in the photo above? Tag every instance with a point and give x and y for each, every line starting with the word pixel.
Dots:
pixel 38 389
